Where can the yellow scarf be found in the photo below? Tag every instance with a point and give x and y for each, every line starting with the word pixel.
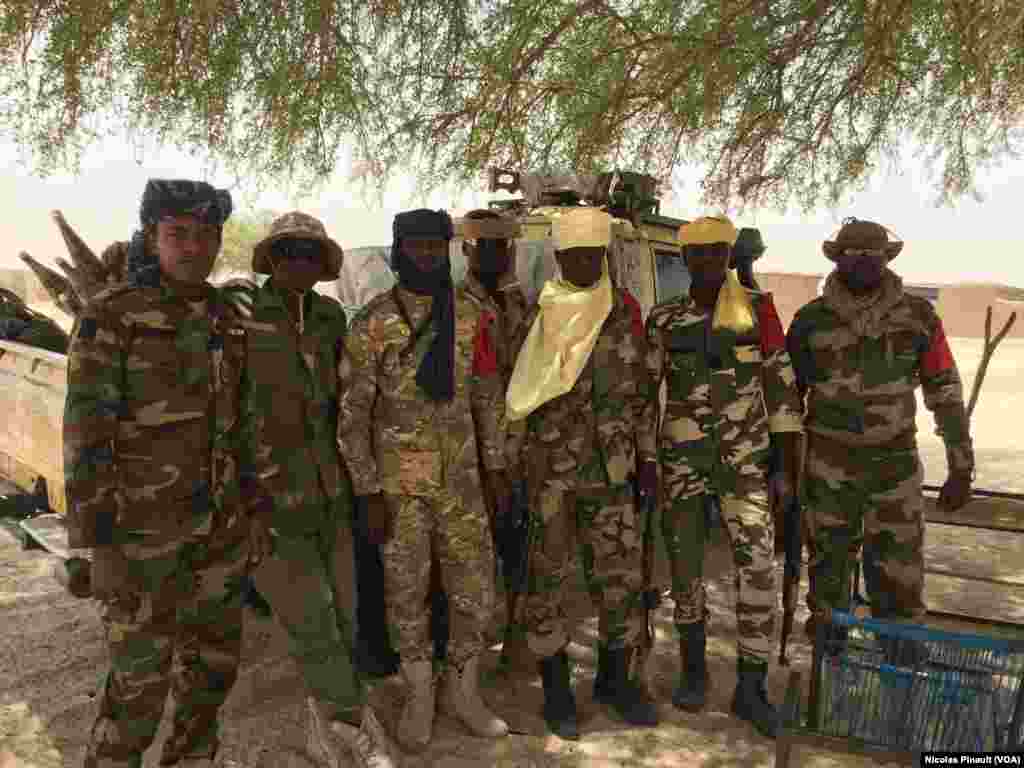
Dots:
pixel 559 343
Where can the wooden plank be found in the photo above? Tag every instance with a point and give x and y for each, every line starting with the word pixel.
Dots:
pixel 979 512
pixel 975 553
pixel 975 599
pixel 49 532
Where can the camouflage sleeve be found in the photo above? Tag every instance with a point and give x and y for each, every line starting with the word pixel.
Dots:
pixel 259 474
pixel 91 413
pixel 357 393
pixel 798 347
pixel 781 397
pixel 515 436
pixel 487 396
pixel 654 366
pixel 943 396
pixel 635 361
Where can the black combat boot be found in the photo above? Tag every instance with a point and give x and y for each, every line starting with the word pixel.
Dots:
pixel 691 694
pixel 559 703
pixel 621 693
pixel 750 702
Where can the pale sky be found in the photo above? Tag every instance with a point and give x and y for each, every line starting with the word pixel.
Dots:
pixel 971 241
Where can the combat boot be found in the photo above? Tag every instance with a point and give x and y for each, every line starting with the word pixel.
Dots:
pixel 691 693
pixel 416 724
pixel 559 703
pixel 621 693
pixel 750 701
pixel 333 740
pixel 461 699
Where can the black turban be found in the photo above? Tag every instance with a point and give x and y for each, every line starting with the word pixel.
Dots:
pixel 436 374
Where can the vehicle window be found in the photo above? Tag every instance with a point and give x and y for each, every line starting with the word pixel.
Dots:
pixel 673 276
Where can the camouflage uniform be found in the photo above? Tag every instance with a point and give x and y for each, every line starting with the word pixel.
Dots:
pixel 579 456
pixel 859 362
pixel 308 580
pixel 423 455
pixel 154 440
pixel 725 394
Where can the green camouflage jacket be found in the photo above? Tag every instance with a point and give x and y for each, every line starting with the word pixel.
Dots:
pixel 153 425
pixel 588 437
pixel 725 394
pixel 393 437
pixel 859 364
pixel 507 337
pixel 293 403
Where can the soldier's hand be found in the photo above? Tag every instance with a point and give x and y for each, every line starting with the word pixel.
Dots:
pixel 647 479
pixel 956 491
pixel 111 573
pixel 378 519
pixel 261 541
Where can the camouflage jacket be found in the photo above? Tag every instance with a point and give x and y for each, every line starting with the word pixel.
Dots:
pixel 154 433
pixel 293 403
pixel 724 393
pixel 509 319
pixel 393 437
pixel 859 367
pixel 588 437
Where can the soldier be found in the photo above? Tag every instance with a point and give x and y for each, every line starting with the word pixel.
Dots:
pixel 580 385
pixel 489 247
pixel 420 381
pixel 158 483
pixel 295 338
pixel 859 352
pixel 728 387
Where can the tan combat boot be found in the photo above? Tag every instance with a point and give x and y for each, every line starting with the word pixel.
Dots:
pixel 461 699
pixel 334 741
pixel 416 724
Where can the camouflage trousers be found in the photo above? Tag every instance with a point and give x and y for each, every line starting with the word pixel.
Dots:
pixel 190 608
pixel 751 533
pixel 866 500
pixel 601 527
pixel 455 530
pixel 309 582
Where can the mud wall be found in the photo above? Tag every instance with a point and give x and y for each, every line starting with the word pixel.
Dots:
pixel 33 383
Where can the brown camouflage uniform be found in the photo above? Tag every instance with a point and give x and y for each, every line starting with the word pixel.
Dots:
pixel 859 363
pixel 579 454
pixel 153 439
pixel 423 456
pixel 725 394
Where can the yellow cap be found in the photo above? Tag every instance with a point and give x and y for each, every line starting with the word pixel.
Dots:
pixel 582 228
pixel 708 230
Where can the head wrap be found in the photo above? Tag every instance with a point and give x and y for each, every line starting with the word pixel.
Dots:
pixel 582 228
pixel 436 374
pixel 707 230
pixel 172 197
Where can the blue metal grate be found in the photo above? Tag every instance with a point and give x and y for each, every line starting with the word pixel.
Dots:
pixel 907 687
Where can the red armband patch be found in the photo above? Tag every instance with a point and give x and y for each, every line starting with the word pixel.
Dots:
pixel 635 314
pixel 772 337
pixel 937 358
pixel 485 356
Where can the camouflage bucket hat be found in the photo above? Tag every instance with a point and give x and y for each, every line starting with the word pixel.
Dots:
pixel 858 233
pixel 300 226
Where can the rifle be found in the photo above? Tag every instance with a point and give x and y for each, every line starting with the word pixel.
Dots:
pixel 791 573
pixel 651 595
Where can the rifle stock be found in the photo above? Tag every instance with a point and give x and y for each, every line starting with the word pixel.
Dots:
pixel 791 577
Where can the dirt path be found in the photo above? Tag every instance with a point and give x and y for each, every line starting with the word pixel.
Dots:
pixel 52 659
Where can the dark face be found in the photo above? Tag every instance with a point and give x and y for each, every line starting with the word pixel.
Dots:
pixel 186 248
pixel 493 257
pixel 427 253
pixel 581 266
pixel 707 263
pixel 861 269
pixel 298 264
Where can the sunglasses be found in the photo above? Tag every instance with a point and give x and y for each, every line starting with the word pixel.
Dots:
pixel 876 252
pixel 292 249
